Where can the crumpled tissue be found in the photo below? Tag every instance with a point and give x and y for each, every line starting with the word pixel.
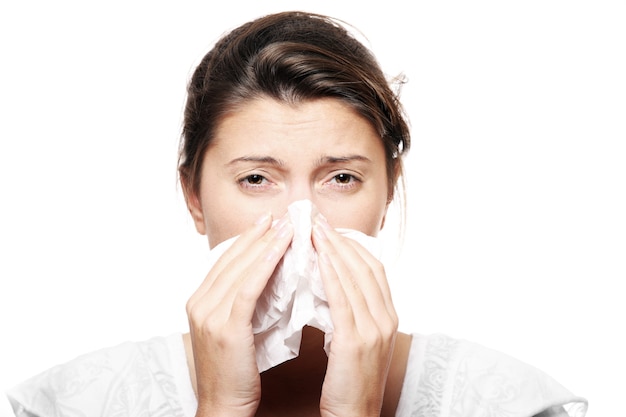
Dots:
pixel 294 296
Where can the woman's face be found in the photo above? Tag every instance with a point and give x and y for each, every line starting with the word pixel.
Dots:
pixel 269 154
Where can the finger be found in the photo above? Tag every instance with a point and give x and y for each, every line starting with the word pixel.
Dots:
pixel 238 247
pixel 247 273
pixel 341 286
pixel 258 258
pixel 361 275
pixel 258 273
pixel 379 273
pixel 340 307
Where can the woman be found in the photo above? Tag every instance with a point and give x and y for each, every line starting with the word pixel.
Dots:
pixel 286 108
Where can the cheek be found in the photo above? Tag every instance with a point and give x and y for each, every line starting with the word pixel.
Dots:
pixel 367 219
pixel 223 221
pixel 370 223
pixel 219 231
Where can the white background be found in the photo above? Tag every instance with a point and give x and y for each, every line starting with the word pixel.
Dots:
pixel 516 234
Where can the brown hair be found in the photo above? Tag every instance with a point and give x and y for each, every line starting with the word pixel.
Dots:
pixel 291 57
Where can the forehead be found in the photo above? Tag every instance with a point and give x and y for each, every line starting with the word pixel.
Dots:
pixel 265 122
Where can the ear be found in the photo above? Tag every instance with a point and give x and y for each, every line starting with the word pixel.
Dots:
pixel 194 205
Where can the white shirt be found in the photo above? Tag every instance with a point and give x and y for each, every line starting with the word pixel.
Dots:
pixel 445 377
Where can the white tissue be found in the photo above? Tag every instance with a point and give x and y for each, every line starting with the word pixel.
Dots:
pixel 294 296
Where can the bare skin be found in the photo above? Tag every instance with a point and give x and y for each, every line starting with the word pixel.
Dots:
pixel 265 156
pixel 295 386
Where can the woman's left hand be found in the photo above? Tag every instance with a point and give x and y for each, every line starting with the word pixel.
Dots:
pixel 365 325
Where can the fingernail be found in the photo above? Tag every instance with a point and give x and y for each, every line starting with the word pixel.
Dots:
pixel 272 255
pixel 319 232
pixel 321 220
pixel 265 217
pixel 285 229
pixel 283 226
pixel 280 222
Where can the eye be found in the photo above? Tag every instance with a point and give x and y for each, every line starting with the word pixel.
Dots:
pixel 254 179
pixel 343 178
pixel 344 181
pixel 254 182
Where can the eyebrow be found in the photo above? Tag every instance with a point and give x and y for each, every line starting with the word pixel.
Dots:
pixel 277 162
pixel 341 159
pixel 263 159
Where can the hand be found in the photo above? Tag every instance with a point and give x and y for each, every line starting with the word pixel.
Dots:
pixel 365 325
pixel 220 315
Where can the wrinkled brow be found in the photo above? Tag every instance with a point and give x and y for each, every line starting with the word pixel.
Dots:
pixel 270 160
pixel 263 159
pixel 340 159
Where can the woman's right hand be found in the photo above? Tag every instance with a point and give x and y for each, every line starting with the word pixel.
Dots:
pixel 220 319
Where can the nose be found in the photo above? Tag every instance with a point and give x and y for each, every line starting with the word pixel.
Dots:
pixel 297 189
pixel 301 190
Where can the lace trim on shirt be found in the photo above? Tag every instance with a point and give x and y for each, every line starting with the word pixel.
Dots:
pixel 434 377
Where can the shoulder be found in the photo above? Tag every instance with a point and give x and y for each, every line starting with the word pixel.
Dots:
pixel 454 377
pixel 134 378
